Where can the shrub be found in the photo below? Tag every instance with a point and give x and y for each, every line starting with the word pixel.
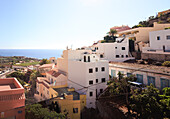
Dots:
pixel 167 27
pixel 166 63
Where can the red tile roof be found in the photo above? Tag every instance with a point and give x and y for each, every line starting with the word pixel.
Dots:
pixel 121 28
pixel 54 73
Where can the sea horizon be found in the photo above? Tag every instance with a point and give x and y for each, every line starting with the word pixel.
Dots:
pixel 32 53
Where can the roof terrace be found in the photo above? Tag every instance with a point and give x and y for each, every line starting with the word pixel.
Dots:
pixel 11 94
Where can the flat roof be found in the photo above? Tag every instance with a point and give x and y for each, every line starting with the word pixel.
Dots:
pixel 46 65
pixel 9 84
pixel 142 67
pixel 61 91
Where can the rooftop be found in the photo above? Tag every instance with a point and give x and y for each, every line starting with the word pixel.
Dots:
pixel 143 67
pixel 46 65
pixel 9 84
pixel 61 91
pixel 54 73
pixel 121 28
pixel 11 94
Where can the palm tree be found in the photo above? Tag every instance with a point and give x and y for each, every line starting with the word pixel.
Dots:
pixel 112 32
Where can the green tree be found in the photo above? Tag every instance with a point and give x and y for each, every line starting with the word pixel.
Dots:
pixel 44 61
pixel 112 32
pixel 33 78
pixel 19 76
pixel 55 107
pixel 120 86
pixel 165 102
pixel 146 104
pixel 36 111
pixel 27 76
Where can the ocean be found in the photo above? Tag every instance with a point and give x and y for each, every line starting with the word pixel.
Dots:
pixel 33 53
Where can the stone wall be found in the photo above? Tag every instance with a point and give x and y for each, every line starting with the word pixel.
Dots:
pixel 137 55
pixel 157 57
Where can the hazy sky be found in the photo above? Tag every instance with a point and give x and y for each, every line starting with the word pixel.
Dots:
pixel 55 24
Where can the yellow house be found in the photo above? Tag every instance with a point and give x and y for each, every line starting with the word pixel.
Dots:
pixel 54 87
pixel 70 101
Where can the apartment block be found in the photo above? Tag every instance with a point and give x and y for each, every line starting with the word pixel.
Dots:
pixel 86 72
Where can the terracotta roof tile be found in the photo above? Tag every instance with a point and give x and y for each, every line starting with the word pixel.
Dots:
pixel 54 73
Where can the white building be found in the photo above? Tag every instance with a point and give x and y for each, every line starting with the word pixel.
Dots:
pixel 159 46
pixel 117 51
pixel 159 76
pixel 159 42
pixel 86 73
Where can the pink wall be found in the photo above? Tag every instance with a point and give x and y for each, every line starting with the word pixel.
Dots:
pixel 12 101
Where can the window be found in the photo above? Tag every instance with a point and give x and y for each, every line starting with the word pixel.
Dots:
pixel 113 73
pixel 97 48
pixel 117 56
pixel 51 80
pixel 91 94
pixel 88 58
pixel 51 96
pixel 158 38
pixel 96 80
pixel 96 69
pixel 84 58
pixel 123 48
pixel 19 112
pixel 168 37
pixel 101 56
pixel 103 69
pixel 139 78
pixel 122 56
pixel 93 56
pixel 101 90
pixel 151 80
pixel 129 74
pixel 48 92
pixel 41 94
pixel 103 80
pixel 164 83
pixel 115 47
pixel 75 110
pixel 90 82
pixel 90 70
pixel 126 55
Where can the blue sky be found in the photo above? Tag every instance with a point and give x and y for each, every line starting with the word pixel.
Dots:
pixel 55 24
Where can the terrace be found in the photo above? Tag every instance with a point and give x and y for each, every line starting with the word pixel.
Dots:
pixel 11 94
